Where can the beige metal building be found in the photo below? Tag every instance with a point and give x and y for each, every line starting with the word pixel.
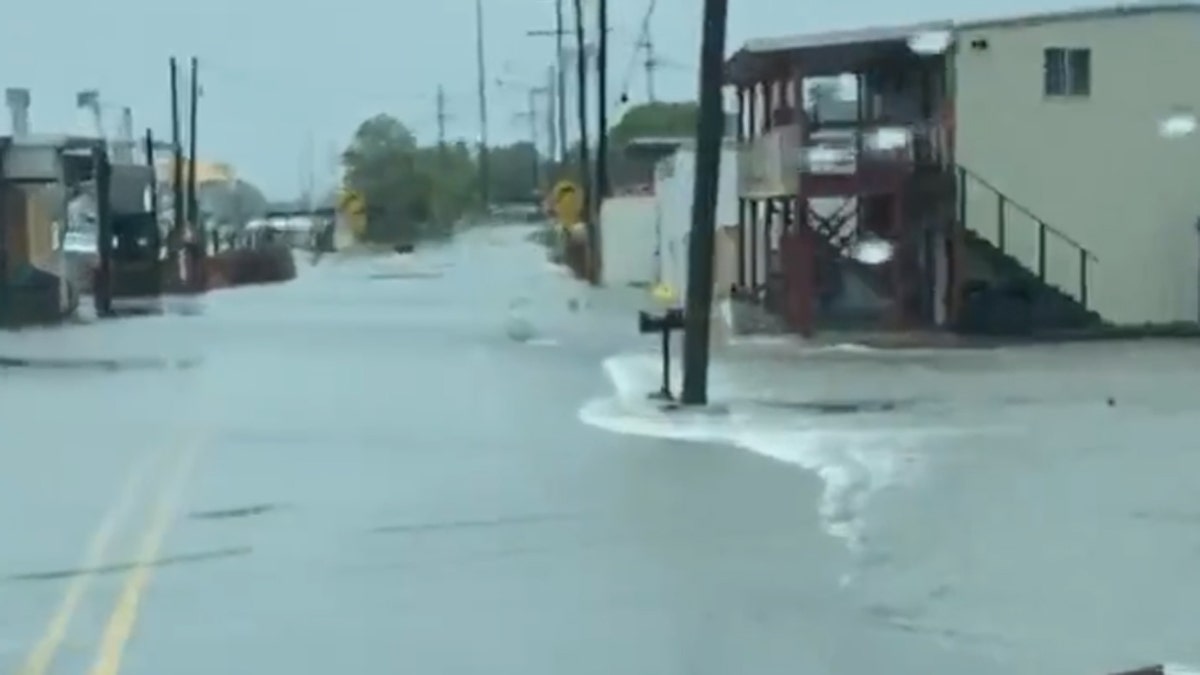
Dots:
pixel 1062 113
pixel 1030 181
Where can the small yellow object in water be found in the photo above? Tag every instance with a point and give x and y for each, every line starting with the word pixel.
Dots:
pixel 663 293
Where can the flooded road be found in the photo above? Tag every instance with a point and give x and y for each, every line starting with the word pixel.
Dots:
pixel 382 467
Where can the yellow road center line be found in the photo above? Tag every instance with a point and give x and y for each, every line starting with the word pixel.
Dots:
pixel 124 615
pixel 42 656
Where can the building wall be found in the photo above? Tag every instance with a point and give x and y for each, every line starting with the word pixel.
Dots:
pixel 28 228
pixel 629 238
pixel 673 190
pixel 1095 167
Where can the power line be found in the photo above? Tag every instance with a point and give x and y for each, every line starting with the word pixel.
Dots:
pixel 285 81
pixel 643 44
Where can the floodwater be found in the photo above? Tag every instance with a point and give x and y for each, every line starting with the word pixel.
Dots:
pixel 446 463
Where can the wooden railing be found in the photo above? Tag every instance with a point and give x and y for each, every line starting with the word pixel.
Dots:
pixel 842 147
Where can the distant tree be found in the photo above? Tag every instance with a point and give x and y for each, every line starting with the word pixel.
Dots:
pixel 513 173
pixel 233 202
pixel 655 119
pixel 381 166
pixel 412 191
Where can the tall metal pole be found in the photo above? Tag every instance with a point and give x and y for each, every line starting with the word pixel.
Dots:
pixel 709 134
pixel 602 183
pixel 193 206
pixel 552 98
pixel 560 65
pixel 533 137
pixel 484 160
pixel 177 199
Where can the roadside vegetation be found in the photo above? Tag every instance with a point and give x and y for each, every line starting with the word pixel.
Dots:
pixel 417 192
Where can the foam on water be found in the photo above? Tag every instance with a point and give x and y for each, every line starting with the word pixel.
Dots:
pixel 853 462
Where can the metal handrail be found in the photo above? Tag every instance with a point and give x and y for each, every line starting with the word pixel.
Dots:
pixel 1027 212
pixel 1043 229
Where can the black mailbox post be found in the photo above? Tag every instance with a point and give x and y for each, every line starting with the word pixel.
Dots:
pixel 663 324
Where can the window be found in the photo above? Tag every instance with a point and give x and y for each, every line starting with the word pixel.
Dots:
pixel 1068 72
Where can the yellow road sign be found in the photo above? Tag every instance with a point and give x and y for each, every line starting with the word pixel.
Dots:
pixel 351 202
pixel 567 203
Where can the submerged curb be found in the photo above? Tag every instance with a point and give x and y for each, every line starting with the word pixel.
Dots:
pixel 96 364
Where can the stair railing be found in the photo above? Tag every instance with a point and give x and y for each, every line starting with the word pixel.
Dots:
pixel 1045 231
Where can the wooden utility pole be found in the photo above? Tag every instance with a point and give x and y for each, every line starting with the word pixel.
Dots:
pixel 560 66
pixel 178 208
pixel 603 189
pixel 193 204
pixel 552 98
pixel 441 121
pixel 710 130
pixel 585 173
pixel 438 190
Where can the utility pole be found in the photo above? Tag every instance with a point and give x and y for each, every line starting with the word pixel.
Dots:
pixel 484 160
pixel 710 130
pixel 650 64
pixel 552 98
pixel 193 205
pixel 177 198
pixel 441 131
pixel 603 189
pixel 533 135
pixel 561 66
pixel 585 169
pixel 441 122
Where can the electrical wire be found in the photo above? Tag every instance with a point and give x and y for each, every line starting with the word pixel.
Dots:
pixel 292 88
pixel 643 38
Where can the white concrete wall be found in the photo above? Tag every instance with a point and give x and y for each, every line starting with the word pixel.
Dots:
pixel 629 239
pixel 674 180
pixel 1093 167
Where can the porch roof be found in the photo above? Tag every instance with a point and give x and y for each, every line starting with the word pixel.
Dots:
pixel 834 52
pixel 826 53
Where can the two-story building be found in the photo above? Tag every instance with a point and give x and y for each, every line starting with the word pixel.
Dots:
pixel 1019 173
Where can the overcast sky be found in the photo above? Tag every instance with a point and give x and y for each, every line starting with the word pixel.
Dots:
pixel 282 77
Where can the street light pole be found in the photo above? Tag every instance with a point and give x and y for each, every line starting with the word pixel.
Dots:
pixel 709 134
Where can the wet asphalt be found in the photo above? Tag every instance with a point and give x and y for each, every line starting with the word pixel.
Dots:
pixel 379 467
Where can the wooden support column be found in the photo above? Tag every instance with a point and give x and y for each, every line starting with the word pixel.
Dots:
pixel 742 202
pixel 900 263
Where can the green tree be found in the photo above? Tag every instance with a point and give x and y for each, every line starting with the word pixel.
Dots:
pixel 451 177
pixel 648 120
pixel 513 171
pixel 661 119
pixel 381 165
